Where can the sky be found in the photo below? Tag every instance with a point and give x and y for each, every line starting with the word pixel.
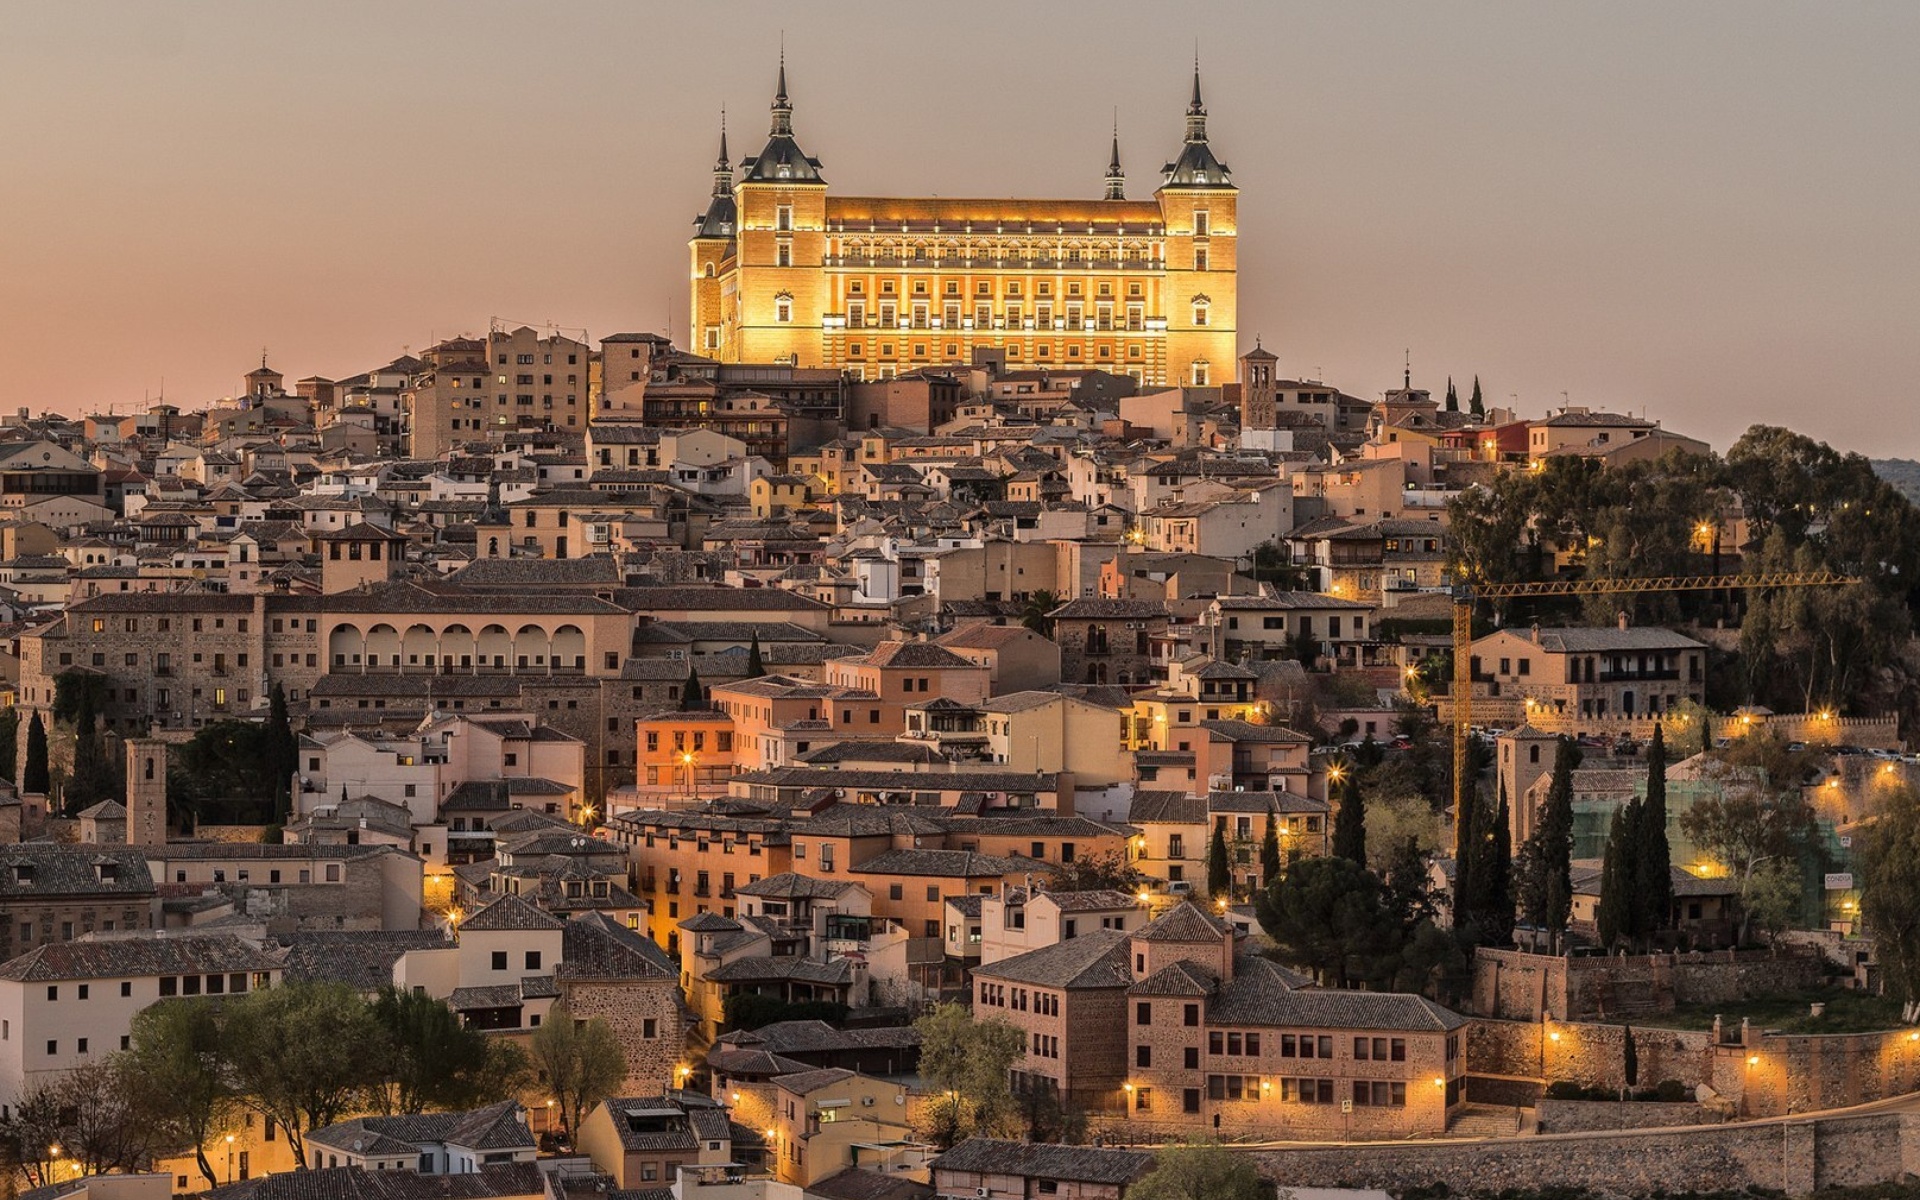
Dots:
pixel 1705 211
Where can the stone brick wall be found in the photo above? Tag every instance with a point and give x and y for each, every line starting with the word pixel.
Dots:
pixel 1791 1156
pixel 1766 1075
pixel 1586 1116
pixel 652 1062
pixel 1518 986
pixel 1588 1054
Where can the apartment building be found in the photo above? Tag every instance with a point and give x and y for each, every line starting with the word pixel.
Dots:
pixel 65 1004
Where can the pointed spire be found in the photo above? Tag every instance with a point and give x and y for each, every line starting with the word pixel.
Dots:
pixel 722 167
pixel 782 107
pixel 1116 178
pixel 1196 108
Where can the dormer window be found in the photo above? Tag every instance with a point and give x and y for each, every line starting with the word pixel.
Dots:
pixel 23 872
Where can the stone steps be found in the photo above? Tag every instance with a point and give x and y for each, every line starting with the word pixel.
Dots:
pixel 1483 1121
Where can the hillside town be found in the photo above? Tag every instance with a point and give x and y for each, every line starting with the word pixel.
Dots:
pixel 965 717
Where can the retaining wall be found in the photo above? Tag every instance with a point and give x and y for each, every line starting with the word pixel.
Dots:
pixel 1795 1157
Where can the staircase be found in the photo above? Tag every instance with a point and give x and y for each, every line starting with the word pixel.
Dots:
pixel 1484 1121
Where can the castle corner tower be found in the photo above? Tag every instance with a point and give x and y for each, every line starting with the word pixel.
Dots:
pixel 1200 206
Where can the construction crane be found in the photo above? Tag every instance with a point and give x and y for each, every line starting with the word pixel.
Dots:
pixel 1466 595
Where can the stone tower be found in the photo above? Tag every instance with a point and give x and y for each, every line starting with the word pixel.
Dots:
pixel 1522 756
pixel 146 792
pixel 1258 409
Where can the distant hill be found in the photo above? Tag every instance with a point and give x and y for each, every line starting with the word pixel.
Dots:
pixel 1903 473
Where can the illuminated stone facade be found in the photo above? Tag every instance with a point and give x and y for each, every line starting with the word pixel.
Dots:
pixel 784 272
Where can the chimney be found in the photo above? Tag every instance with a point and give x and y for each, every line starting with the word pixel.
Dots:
pixel 1623 618
pixel 1536 633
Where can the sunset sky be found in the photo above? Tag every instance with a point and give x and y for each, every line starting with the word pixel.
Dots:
pixel 1707 210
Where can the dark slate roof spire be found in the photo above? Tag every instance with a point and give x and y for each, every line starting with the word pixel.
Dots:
pixel 1116 178
pixel 782 159
pixel 721 215
pixel 722 169
pixel 1196 166
pixel 782 107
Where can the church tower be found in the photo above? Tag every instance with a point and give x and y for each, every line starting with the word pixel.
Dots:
pixel 781 242
pixel 1258 407
pixel 146 791
pixel 1198 205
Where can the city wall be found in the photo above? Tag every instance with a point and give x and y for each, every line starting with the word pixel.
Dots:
pixel 1792 1156
pixel 1756 1073
pixel 1516 985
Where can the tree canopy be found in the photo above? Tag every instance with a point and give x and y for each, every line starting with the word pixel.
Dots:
pixel 580 1061
pixel 966 1063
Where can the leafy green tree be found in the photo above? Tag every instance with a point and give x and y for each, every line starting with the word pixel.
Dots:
pixel 35 776
pixel 1219 868
pixel 1653 854
pixel 1350 822
pixel 1475 404
pixel 581 1062
pixel 177 1072
pixel 226 771
pixel 693 697
pixel 432 1061
pixel 299 1054
pixel 967 1065
pixel 1774 898
pixel 1332 917
pixel 1270 850
pixel 1747 821
pixel 1101 871
pixel 1201 1172
pixel 756 665
pixel 1889 856
pixel 9 743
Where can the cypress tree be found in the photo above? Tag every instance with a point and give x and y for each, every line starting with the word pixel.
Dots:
pixel 285 749
pixel 1629 1059
pixel 756 666
pixel 9 744
pixel 35 777
pixel 1475 404
pixel 1613 918
pixel 1557 844
pixel 1653 891
pixel 1466 896
pixel 1270 850
pixel 92 780
pixel 1493 878
pixel 693 697
pixel 1219 872
pixel 1453 397
pixel 1350 823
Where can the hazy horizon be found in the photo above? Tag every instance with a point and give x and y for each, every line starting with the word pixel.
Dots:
pixel 1703 211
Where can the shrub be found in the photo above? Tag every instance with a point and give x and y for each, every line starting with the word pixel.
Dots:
pixel 1672 1091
